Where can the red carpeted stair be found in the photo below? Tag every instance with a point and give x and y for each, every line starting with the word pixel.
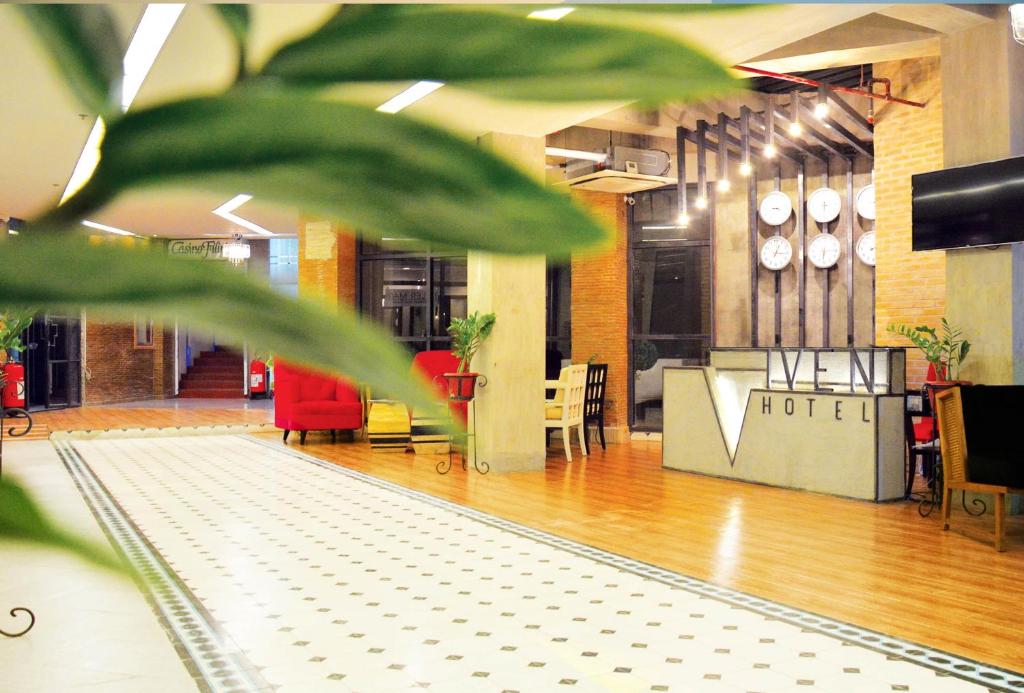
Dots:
pixel 214 374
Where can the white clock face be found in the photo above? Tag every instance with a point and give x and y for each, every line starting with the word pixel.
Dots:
pixel 866 248
pixel 866 201
pixel 775 208
pixel 776 253
pixel 823 250
pixel 824 205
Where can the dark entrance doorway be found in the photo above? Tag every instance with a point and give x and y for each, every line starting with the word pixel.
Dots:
pixel 53 362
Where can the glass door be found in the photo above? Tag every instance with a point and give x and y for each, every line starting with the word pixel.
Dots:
pixel 53 368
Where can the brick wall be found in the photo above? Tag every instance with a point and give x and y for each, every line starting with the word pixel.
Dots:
pixel 911 287
pixel 118 371
pixel 599 306
pixel 327 262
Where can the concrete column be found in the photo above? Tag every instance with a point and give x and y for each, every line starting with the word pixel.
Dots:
pixel 510 409
pixel 983 120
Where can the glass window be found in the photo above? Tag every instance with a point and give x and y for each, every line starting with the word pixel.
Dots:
pixel 283 260
pixel 143 332
pixel 449 294
pixel 394 293
pixel 670 293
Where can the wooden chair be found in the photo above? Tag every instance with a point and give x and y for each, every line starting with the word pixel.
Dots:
pixel 565 410
pixel 953 443
pixel 593 402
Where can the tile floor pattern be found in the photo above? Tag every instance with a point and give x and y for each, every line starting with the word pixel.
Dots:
pixel 328 580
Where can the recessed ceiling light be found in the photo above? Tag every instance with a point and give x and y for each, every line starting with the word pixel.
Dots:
pixel 150 35
pixel 552 14
pixel 409 96
pixel 108 229
pixel 576 154
pixel 226 209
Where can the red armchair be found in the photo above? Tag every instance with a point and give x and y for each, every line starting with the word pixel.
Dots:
pixel 434 364
pixel 305 400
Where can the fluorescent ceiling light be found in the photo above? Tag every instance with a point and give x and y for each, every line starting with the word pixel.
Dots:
pixel 576 154
pixel 150 35
pixel 108 229
pixel 552 14
pixel 226 209
pixel 87 161
pixel 409 96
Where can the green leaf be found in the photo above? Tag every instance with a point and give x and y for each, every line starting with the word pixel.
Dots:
pixel 70 274
pixel 500 54
pixel 384 175
pixel 83 43
pixel 236 18
pixel 23 521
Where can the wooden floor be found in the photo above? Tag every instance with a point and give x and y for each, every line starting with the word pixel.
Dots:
pixel 880 566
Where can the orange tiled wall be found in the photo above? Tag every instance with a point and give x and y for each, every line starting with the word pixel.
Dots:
pixel 911 287
pixel 599 309
pixel 329 279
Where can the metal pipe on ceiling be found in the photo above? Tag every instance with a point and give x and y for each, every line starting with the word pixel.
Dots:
pixel 886 96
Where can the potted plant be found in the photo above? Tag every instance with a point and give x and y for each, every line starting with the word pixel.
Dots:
pixel 946 352
pixel 467 335
pixel 12 324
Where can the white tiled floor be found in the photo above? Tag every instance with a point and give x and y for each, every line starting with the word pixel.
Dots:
pixel 94 630
pixel 330 583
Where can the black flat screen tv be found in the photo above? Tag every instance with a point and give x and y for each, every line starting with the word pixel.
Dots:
pixel 969 205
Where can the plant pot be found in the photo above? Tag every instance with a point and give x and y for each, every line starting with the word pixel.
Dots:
pixel 461 386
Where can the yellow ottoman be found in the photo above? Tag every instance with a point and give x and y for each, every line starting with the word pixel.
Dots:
pixel 387 426
pixel 429 436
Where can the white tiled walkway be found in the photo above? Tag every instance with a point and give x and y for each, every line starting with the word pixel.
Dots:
pixel 327 581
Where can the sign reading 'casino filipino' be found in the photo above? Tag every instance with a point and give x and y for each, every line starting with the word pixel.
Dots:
pixel 203 249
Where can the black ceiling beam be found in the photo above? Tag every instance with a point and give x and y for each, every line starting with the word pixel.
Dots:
pixel 819 137
pixel 858 145
pixel 852 113
pixel 736 145
pixel 758 120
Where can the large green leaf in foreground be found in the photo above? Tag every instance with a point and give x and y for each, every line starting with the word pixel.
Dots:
pixel 58 273
pixel 500 54
pixel 21 520
pixel 385 175
pixel 82 42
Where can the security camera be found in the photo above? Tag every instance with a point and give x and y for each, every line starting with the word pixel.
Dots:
pixel 630 200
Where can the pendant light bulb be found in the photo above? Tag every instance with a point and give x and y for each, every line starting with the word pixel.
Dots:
pixel 821 107
pixel 770 151
pixel 746 169
pixel 795 128
pixel 683 220
pixel 701 202
pixel 723 185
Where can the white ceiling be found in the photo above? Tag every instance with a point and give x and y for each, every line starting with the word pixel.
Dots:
pixel 42 132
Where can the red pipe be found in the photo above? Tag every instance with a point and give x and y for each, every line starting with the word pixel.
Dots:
pixel 888 97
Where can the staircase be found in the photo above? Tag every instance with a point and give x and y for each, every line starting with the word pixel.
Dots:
pixel 214 375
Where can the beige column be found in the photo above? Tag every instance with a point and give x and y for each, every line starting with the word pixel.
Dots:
pixel 510 409
pixel 983 120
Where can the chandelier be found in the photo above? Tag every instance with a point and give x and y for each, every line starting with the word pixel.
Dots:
pixel 236 251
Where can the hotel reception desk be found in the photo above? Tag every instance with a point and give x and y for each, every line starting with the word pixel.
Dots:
pixel 823 420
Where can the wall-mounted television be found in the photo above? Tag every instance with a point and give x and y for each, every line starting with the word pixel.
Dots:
pixel 969 206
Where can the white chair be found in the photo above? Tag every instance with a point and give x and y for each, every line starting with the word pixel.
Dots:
pixel 566 409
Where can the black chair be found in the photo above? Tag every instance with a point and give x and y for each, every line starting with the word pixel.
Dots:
pixel 593 402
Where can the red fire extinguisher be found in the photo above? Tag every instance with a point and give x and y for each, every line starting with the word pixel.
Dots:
pixel 14 386
pixel 257 379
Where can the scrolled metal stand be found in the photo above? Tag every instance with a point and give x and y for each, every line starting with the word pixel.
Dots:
pixel 13 432
pixel 445 466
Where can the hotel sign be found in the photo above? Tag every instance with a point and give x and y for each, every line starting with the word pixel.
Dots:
pixel 203 249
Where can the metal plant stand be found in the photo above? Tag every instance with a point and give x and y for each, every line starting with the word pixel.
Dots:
pixel 16 413
pixel 461 441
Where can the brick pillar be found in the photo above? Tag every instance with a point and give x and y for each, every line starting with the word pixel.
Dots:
pixel 327 264
pixel 599 309
pixel 910 287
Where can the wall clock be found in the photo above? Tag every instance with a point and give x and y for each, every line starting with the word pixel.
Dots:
pixel 824 205
pixel 866 201
pixel 776 253
pixel 775 208
pixel 866 248
pixel 823 250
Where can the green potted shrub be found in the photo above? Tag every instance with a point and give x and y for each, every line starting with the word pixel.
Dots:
pixel 467 335
pixel 12 324
pixel 946 352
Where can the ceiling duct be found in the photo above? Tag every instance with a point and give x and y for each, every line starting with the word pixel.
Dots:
pixel 628 170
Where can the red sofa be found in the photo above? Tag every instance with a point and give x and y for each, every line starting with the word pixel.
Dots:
pixel 434 364
pixel 305 400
